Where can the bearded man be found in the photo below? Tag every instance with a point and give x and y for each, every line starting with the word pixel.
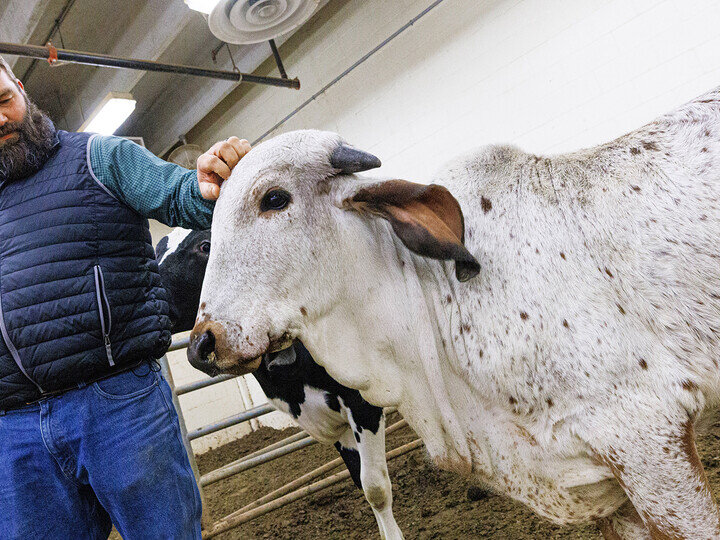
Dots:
pixel 88 433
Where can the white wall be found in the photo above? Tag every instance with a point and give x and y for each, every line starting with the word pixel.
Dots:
pixel 547 75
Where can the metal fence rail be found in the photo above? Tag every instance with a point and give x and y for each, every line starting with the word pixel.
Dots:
pixel 278 498
pixel 244 416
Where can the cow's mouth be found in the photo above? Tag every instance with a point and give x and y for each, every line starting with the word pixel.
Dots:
pixel 203 355
pixel 279 343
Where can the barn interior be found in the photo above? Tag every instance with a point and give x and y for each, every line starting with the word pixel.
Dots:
pixel 414 82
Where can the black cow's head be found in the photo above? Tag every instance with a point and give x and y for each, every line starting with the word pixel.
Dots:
pixel 182 257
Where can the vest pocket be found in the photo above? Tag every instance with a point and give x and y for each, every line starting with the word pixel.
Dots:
pixel 104 311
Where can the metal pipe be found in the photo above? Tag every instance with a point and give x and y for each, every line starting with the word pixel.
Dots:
pixel 291 486
pixel 203 383
pixel 238 418
pixel 262 452
pixel 205 519
pixel 231 521
pixel 284 442
pixel 179 343
pixel 95 59
pixel 278 60
pixel 225 472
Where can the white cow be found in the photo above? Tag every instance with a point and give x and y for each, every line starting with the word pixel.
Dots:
pixel 568 374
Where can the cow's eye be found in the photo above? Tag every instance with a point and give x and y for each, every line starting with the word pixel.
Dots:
pixel 205 247
pixel 275 199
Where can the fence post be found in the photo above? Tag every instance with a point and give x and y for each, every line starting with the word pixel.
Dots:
pixel 205 521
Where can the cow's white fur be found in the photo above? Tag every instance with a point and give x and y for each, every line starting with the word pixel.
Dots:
pixel 569 372
pixel 175 238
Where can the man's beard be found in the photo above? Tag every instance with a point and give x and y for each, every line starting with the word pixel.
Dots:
pixel 33 146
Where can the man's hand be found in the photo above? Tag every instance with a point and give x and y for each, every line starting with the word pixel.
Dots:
pixel 214 166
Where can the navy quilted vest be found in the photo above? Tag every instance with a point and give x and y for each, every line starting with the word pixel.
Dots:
pixel 80 294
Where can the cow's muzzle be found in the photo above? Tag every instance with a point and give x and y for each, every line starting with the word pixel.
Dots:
pixel 211 352
pixel 201 353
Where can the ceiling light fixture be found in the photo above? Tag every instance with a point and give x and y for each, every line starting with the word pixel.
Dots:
pixel 203 6
pixel 110 114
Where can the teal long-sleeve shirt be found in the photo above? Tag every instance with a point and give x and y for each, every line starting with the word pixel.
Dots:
pixel 147 184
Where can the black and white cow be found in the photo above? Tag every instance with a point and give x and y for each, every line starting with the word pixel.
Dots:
pixel 293 382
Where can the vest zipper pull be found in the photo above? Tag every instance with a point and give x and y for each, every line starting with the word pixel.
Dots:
pixel 108 349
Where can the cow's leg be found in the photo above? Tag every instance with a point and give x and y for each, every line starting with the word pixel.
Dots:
pixel 374 477
pixel 347 447
pixel 654 458
pixel 624 524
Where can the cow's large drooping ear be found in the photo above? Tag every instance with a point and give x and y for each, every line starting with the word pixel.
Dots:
pixel 350 160
pixel 427 219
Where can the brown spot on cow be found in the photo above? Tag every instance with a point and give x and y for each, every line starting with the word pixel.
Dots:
pixel 485 204
pixel 549 402
pixel 689 386
pixel 524 316
pixel 202 306
pixel 481 353
pixel 303 311
pixel 512 400
pixel 562 255
pixel 650 145
pixel 608 272
pixel 622 310
pixel 565 323
pixel 448 299
pixel 643 363
pixel 636 188
pixel 634 151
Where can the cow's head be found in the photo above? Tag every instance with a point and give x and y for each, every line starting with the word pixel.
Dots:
pixel 182 258
pixel 296 234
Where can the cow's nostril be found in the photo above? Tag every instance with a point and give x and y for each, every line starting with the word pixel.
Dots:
pixel 201 353
pixel 206 344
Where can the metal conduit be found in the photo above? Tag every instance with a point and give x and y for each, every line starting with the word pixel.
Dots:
pixel 231 421
pixel 180 343
pixel 203 383
pixel 103 60
pixel 225 472
pixel 288 440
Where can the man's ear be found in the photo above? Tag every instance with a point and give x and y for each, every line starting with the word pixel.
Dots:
pixel 427 219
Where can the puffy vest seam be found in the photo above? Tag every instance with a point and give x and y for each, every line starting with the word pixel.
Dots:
pixel 92 172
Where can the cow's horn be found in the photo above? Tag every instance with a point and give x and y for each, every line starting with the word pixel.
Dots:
pixel 351 160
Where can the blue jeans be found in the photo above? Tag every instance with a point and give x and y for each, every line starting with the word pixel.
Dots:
pixel 107 453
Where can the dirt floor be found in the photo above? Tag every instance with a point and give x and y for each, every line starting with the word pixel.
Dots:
pixel 428 503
